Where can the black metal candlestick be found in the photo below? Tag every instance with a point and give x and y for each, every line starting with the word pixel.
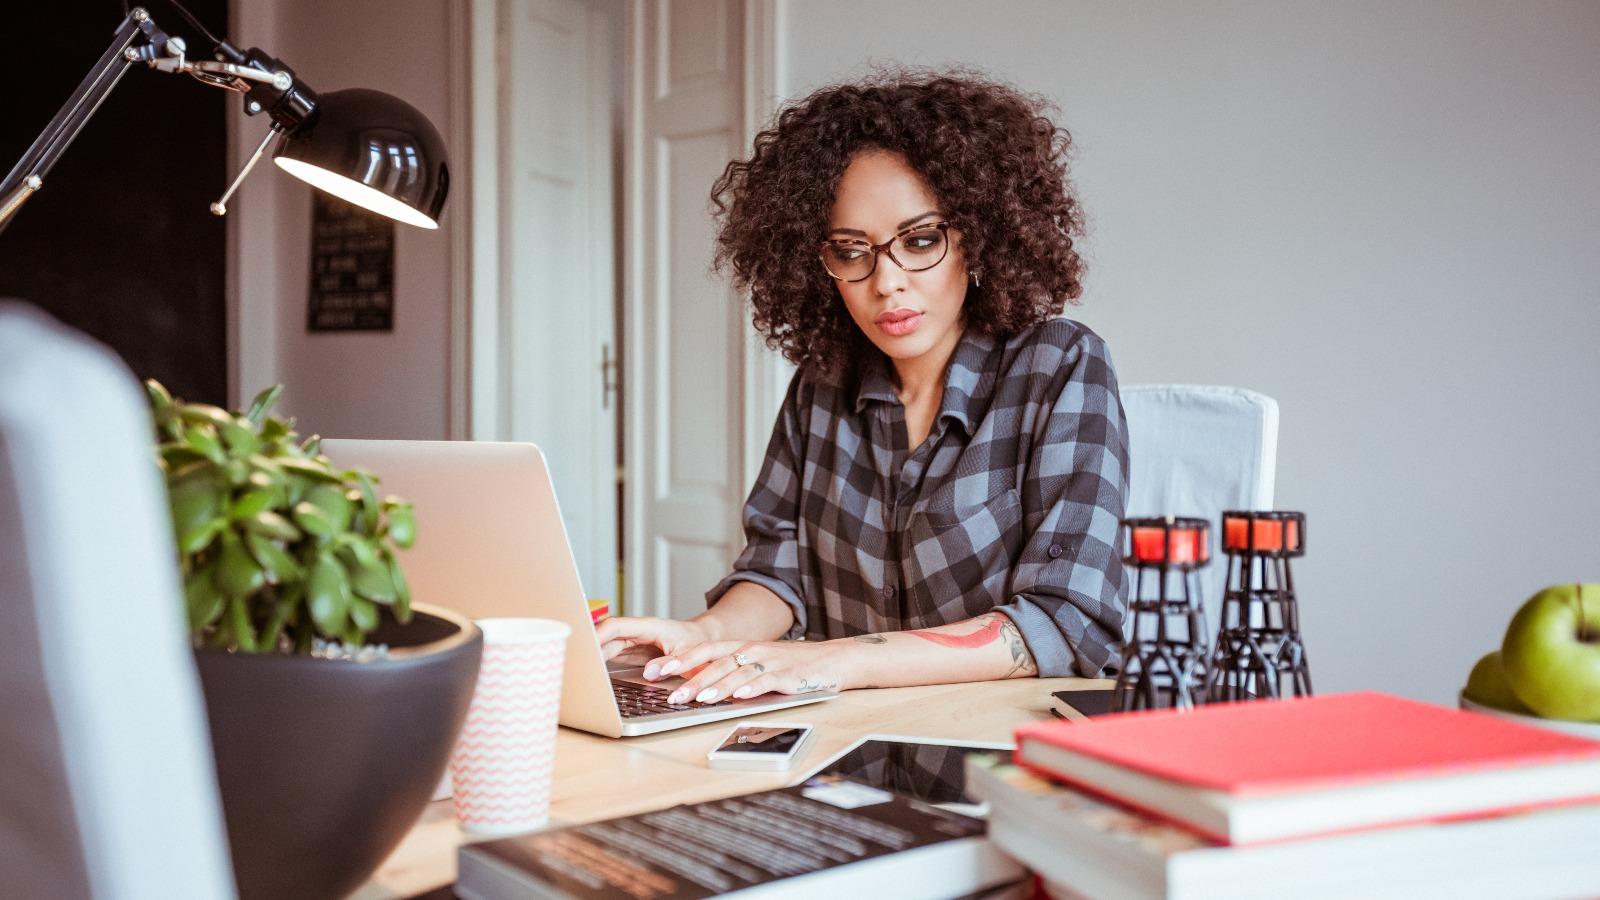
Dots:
pixel 1164 660
pixel 1259 651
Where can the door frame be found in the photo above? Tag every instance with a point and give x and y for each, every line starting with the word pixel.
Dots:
pixel 766 373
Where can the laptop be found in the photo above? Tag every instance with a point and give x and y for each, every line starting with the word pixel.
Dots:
pixel 491 542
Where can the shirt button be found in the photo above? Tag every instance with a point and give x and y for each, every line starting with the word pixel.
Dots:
pixel 888 592
pixel 1055 551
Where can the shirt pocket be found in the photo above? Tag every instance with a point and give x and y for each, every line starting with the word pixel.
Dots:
pixel 941 517
pixel 962 557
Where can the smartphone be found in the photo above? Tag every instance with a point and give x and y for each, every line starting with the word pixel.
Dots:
pixel 760 747
pixel 1088 701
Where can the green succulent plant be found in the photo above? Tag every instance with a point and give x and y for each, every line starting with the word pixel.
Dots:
pixel 277 545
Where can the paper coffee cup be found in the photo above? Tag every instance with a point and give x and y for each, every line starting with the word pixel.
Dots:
pixel 502 766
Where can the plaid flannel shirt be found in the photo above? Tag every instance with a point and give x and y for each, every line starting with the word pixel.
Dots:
pixel 1012 504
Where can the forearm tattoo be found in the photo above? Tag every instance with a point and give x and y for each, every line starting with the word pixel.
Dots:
pixel 996 627
pixel 870 638
pixel 984 636
pixel 807 686
pixel 1021 660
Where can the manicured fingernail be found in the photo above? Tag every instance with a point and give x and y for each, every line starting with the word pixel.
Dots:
pixel 652 672
pixel 706 696
pixel 676 698
pixel 669 667
pixel 746 691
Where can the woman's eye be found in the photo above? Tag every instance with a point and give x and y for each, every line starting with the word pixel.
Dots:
pixel 918 243
pixel 847 254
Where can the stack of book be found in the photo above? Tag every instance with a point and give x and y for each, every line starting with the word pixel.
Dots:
pixel 1343 795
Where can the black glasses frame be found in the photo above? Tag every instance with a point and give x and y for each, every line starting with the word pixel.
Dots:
pixel 942 227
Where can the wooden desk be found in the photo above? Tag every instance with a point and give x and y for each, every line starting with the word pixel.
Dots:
pixel 597 778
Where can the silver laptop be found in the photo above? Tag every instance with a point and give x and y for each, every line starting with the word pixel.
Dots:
pixel 491 542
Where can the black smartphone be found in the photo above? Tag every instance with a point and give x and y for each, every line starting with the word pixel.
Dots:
pixel 1088 701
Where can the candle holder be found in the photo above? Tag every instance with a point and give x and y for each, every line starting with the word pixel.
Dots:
pixel 1164 661
pixel 1259 652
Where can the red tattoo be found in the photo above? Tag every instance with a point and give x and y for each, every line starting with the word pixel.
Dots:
pixel 988 634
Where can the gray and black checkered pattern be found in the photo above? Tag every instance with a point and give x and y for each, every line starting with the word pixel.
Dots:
pixel 1011 504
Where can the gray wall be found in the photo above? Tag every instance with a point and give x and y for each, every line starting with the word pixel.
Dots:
pixel 1387 216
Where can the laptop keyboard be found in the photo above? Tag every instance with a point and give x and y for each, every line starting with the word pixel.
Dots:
pixel 635 700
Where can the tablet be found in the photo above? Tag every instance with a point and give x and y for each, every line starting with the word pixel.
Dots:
pixel 930 769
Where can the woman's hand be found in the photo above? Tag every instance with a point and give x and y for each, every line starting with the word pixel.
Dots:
pixel 784 667
pixel 636 640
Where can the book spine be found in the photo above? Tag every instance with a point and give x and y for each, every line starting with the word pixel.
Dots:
pixel 1094 790
pixel 1055 858
pixel 953 868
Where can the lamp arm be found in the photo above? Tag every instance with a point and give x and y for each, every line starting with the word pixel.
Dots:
pixel 220 208
pixel 269 85
pixel 136 39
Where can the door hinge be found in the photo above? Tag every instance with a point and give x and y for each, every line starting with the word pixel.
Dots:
pixel 608 375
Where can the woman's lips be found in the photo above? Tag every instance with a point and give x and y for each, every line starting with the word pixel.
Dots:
pixel 899 322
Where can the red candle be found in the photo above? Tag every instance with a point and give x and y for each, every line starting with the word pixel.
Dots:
pixel 1150 545
pixel 1268 534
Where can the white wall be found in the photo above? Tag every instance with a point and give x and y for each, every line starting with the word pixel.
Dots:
pixel 1387 216
pixel 356 384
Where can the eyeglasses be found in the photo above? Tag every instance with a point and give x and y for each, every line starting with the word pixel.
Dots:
pixel 915 249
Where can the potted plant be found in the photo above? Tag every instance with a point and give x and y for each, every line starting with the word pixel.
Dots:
pixel 333 701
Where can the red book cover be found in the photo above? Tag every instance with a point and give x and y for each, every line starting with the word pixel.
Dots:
pixel 1325 743
pixel 1268 746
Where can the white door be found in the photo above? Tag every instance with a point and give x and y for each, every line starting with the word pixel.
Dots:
pixel 541 349
pixel 686 443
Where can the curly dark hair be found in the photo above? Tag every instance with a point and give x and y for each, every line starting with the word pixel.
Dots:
pixel 995 162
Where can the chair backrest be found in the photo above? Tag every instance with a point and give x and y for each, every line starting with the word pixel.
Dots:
pixel 107 785
pixel 1197 450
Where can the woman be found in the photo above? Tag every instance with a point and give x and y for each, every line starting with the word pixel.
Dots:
pixel 941 495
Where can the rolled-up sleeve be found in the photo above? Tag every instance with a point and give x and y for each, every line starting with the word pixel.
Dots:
pixel 771 556
pixel 1068 593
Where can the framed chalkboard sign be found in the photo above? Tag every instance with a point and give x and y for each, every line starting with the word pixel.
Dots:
pixel 352 268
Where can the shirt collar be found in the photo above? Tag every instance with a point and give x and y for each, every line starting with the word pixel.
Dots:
pixel 968 380
pixel 875 381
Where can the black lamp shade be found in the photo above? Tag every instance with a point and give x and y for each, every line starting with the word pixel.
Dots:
pixel 374 150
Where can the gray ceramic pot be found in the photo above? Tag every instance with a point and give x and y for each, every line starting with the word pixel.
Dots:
pixel 324 765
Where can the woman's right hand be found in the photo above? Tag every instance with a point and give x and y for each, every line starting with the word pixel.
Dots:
pixel 636 640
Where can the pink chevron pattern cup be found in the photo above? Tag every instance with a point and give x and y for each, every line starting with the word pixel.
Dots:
pixel 502 765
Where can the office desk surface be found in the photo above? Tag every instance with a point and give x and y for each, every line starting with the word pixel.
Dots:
pixel 597 778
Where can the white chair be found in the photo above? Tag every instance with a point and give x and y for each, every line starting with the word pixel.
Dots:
pixel 107 786
pixel 1197 450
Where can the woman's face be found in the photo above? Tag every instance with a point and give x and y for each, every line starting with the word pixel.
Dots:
pixel 911 316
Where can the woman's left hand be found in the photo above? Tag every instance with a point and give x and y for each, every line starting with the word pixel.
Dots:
pixel 743 669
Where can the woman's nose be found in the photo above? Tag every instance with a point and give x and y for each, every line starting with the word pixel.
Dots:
pixel 888 277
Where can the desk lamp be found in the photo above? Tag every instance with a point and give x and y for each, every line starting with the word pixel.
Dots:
pixel 364 146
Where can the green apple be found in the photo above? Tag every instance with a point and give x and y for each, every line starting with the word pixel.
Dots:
pixel 1488 685
pixel 1551 652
